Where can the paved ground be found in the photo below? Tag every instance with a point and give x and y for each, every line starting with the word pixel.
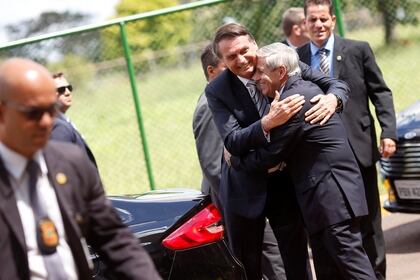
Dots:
pixel 402 236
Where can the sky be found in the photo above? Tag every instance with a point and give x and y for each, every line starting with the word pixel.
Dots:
pixel 12 11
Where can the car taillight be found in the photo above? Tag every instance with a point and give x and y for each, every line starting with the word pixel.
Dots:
pixel 201 229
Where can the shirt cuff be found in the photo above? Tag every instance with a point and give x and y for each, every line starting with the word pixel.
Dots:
pixel 266 135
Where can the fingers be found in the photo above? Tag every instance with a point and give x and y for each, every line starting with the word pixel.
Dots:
pixel 316 98
pixel 387 147
pixel 322 111
pixel 319 116
pixel 326 118
pixel 295 110
pixel 292 100
pixel 281 111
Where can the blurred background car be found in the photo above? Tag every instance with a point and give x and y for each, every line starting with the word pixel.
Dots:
pixel 181 230
pixel 401 172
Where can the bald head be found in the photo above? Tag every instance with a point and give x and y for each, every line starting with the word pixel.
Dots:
pixel 27 105
pixel 21 77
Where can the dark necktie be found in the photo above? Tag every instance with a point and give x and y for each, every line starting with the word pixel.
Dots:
pixel 260 101
pixel 46 232
pixel 324 65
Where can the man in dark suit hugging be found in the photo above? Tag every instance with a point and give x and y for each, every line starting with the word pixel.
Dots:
pixel 325 174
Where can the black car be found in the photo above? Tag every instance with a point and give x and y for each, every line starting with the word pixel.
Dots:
pixel 181 230
pixel 401 172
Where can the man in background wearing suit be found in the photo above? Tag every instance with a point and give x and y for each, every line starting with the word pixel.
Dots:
pixel 326 178
pixel 208 142
pixel 294 27
pixel 63 129
pixel 51 197
pixel 209 146
pixel 354 62
pixel 249 198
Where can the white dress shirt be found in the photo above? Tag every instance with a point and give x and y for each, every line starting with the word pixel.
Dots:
pixel 16 164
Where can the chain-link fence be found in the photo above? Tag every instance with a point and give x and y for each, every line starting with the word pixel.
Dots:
pixel 165 52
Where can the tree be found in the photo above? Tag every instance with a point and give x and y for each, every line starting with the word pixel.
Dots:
pixel 55 48
pixel 394 12
pixel 150 35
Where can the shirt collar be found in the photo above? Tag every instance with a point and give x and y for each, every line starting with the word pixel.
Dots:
pixel 15 163
pixel 281 89
pixel 290 44
pixel 243 80
pixel 329 45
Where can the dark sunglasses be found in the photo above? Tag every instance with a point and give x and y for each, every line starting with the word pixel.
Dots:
pixel 62 90
pixel 33 113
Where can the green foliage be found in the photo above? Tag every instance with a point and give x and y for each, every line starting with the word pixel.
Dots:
pixel 261 17
pixel 75 68
pixel 389 13
pixel 151 34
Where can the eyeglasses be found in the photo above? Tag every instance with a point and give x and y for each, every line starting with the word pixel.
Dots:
pixel 62 90
pixel 33 113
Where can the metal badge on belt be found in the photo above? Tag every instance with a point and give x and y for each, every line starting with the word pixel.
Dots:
pixel 47 236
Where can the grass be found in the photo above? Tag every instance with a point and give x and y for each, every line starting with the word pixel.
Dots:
pixel 104 112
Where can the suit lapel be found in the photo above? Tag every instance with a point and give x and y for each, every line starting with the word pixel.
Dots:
pixel 242 96
pixel 64 191
pixel 339 56
pixel 305 54
pixel 9 208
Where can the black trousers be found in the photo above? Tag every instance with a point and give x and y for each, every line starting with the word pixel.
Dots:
pixel 371 225
pixel 245 236
pixel 338 253
pixel 272 266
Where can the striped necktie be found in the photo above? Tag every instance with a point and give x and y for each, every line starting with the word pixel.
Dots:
pixel 260 101
pixel 324 65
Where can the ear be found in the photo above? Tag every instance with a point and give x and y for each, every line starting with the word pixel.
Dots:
pixel 282 71
pixel 296 30
pixel 210 70
pixel 333 18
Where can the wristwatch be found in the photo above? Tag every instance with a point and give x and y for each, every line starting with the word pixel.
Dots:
pixel 339 107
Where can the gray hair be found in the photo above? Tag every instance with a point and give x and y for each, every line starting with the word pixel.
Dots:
pixel 278 54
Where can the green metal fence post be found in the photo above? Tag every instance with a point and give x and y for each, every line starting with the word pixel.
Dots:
pixel 337 9
pixel 136 99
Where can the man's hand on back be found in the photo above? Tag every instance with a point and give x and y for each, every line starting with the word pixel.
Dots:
pixel 323 109
pixel 282 110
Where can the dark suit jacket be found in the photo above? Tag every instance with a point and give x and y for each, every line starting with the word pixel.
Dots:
pixel 209 145
pixel 326 177
pixel 239 125
pixel 64 131
pixel 355 63
pixel 86 213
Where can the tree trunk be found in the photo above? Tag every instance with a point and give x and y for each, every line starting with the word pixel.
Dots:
pixel 388 9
